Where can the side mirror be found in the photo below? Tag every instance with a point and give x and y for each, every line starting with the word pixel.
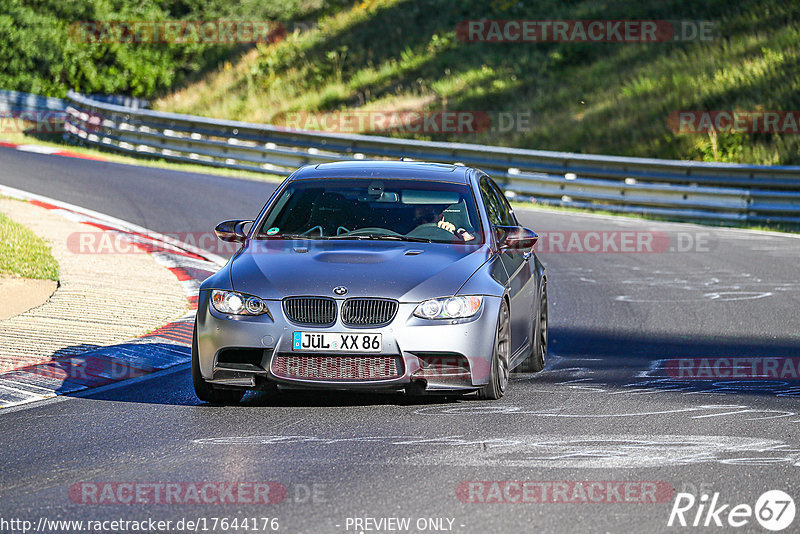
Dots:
pixel 232 231
pixel 515 237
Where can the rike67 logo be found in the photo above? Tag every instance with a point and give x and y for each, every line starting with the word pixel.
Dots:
pixel 774 510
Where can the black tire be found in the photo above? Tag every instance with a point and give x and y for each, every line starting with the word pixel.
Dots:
pixel 207 392
pixel 498 378
pixel 537 355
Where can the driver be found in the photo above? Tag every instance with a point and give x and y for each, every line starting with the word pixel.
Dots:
pixel 429 215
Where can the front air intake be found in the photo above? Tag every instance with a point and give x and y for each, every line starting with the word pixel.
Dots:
pixel 335 367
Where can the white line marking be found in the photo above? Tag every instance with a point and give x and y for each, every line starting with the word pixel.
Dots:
pixel 27 396
pixel 12 381
pixel 86 392
pixel 38 149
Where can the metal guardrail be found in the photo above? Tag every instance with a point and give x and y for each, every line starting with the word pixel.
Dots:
pixel 121 100
pixel 683 190
pixel 14 101
pixel 27 112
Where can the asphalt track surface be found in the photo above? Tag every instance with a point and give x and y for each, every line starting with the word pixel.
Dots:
pixel 605 409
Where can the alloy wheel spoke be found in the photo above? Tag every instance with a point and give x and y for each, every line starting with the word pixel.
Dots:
pixel 543 326
pixel 502 349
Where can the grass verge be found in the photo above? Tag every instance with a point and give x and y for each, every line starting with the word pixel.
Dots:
pixel 598 98
pixel 23 253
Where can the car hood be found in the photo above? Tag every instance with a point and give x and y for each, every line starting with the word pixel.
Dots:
pixel 408 272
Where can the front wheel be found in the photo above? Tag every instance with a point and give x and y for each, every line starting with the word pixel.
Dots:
pixel 207 392
pixel 498 378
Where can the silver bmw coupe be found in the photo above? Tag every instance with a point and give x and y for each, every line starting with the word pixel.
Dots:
pixel 399 276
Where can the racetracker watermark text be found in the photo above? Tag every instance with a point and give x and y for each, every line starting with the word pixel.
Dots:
pixel 585 31
pixel 32 122
pixel 621 241
pixel 549 242
pixel 177 31
pixel 197 492
pixel 410 122
pixel 563 492
pixel 734 368
pixel 734 121
pixel 177 493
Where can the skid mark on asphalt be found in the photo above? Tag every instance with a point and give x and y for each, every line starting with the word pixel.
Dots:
pixel 551 451
pixel 661 375
pixel 655 379
pixel 656 385
pixel 698 286
pixel 595 412
pixel 723 296
pixel 619 451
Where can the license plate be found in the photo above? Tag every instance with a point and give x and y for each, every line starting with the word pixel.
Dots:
pixel 336 342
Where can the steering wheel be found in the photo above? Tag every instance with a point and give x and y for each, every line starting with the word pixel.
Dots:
pixel 431 231
pixel 367 231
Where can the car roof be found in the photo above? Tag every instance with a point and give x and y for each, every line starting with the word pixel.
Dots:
pixel 407 170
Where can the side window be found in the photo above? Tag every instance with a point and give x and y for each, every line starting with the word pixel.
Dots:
pixel 507 211
pixel 493 208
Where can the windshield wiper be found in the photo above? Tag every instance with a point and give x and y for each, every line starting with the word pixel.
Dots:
pixel 290 236
pixel 418 239
pixel 384 237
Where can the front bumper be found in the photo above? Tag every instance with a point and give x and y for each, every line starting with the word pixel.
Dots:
pixel 442 355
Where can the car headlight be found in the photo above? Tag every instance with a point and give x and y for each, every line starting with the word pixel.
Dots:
pixel 234 303
pixel 449 308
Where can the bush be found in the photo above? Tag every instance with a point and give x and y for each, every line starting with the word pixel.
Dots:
pixel 43 54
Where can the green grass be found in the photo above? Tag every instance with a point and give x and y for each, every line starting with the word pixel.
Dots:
pixel 24 254
pixel 604 98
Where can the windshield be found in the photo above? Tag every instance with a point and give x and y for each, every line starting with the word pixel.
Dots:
pixel 407 210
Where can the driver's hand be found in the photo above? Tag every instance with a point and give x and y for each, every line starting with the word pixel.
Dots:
pixel 444 225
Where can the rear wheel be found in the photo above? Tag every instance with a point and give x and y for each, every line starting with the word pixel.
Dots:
pixel 538 351
pixel 498 377
pixel 207 392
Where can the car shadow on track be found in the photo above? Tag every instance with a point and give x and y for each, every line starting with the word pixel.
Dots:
pixel 332 399
pixel 175 388
pixel 80 369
